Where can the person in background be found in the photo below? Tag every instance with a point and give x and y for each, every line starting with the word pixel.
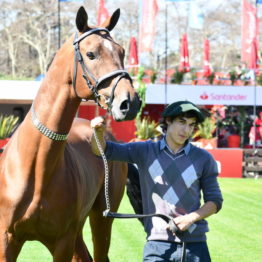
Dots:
pixel 173 175
pixel 255 133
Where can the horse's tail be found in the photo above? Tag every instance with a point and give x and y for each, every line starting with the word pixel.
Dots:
pixel 133 190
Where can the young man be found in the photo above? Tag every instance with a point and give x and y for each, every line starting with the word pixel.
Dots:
pixel 173 173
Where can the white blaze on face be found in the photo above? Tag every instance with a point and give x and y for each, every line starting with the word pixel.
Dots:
pixel 108 45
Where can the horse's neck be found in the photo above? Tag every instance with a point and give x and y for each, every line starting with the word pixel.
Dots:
pixel 56 104
pixel 55 107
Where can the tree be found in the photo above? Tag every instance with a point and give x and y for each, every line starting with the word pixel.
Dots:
pixel 38 30
pixel 12 49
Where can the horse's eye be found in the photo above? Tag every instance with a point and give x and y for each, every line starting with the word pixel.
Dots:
pixel 90 55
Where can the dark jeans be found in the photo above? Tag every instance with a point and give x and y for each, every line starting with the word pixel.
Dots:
pixel 161 251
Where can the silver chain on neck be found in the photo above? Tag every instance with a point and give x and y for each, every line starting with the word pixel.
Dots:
pixel 44 130
pixel 101 151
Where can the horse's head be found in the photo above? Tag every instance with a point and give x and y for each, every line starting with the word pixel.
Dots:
pixel 103 77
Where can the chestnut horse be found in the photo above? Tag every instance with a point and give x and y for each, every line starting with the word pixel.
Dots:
pixel 50 181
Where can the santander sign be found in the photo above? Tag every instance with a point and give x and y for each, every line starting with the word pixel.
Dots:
pixel 220 96
pixel 204 95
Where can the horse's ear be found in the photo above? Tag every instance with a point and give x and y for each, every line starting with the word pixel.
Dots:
pixel 81 20
pixel 111 21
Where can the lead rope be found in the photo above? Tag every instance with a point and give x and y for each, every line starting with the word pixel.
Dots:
pixel 101 151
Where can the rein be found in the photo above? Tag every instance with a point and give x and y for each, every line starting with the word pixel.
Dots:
pixel 119 74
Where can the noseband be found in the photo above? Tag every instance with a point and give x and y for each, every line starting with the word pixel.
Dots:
pixel 87 74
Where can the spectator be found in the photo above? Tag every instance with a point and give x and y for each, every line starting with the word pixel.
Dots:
pixel 255 134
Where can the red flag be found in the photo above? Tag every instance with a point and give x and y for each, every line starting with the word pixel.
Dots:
pixel 184 55
pixel 133 57
pixel 147 27
pixel 253 60
pixel 102 14
pixel 249 30
pixel 207 67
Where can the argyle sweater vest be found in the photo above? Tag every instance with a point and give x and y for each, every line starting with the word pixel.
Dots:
pixel 171 184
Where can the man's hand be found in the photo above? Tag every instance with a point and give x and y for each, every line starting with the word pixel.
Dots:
pixel 98 124
pixel 183 222
pixel 187 222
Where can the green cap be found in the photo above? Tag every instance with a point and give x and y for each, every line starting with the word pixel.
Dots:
pixel 180 107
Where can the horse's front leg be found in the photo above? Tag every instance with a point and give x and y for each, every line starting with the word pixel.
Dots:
pixel 101 235
pixel 9 247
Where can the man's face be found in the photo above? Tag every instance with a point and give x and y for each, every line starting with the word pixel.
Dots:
pixel 180 129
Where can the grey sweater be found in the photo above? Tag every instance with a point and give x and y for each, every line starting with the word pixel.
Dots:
pixel 171 184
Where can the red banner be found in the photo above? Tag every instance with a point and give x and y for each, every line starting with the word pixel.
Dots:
pixel 102 14
pixel 147 26
pixel 133 57
pixel 253 58
pixel 207 67
pixel 184 55
pixel 249 32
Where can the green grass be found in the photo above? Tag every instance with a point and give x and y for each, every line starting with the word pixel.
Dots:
pixel 235 232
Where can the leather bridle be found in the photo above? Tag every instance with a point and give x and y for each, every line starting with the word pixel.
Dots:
pixel 87 74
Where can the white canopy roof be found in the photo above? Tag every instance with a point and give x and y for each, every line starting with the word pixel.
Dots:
pixel 13 91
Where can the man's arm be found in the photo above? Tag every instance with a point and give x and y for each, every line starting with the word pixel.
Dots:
pixel 98 125
pixel 212 197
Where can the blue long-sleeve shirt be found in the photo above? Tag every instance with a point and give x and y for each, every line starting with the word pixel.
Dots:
pixel 171 184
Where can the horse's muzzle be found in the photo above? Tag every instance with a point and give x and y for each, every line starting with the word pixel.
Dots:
pixel 127 109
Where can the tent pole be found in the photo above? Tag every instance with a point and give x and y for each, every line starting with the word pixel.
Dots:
pixel 255 95
pixel 166 47
pixel 59 24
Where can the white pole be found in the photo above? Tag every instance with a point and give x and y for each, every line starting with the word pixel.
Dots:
pixel 166 47
pixel 255 91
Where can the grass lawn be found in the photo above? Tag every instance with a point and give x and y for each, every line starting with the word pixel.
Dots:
pixel 235 232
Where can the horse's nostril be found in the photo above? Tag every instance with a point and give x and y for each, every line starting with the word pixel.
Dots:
pixel 124 106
